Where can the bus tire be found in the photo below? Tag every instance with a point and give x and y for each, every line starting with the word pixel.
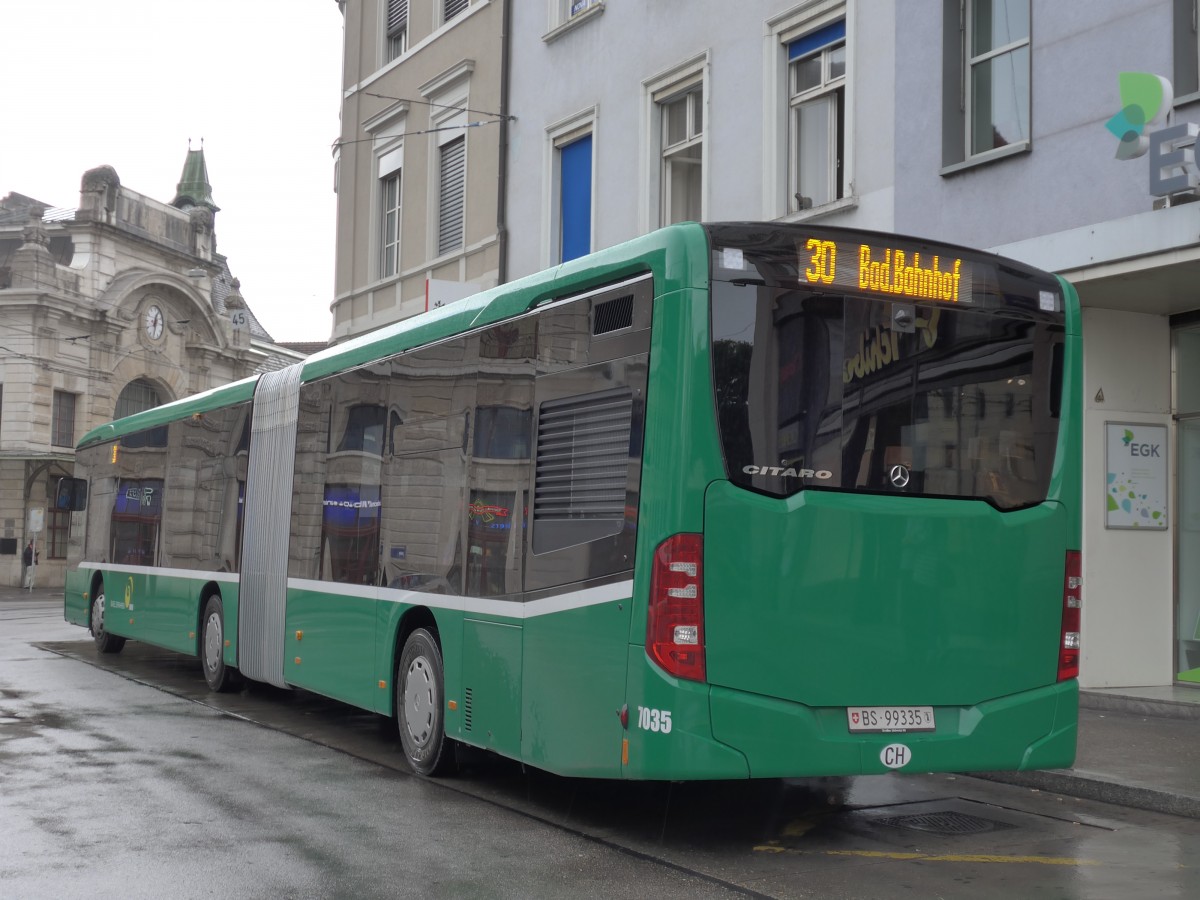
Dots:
pixel 219 676
pixel 420 704
pixel 105 642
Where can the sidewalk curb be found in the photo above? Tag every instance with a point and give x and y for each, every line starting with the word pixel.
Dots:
pixel 17 594
pixel 1140 706
pixel 1092 786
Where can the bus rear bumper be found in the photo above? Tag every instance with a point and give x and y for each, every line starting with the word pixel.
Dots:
pixel 1034 729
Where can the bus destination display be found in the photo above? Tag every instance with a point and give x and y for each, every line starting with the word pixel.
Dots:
pixel 886 270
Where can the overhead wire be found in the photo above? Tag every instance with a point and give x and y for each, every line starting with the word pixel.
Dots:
pixel 133 353
pixel 495 120
pixel 339 142
pixel 455 107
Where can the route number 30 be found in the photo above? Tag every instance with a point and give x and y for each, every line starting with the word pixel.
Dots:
pixel 822 262
pixel 654 720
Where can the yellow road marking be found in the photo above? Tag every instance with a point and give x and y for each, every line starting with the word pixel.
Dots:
pixel 941 857
pixel 799 828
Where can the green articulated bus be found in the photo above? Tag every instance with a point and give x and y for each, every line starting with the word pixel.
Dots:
pixel 733 500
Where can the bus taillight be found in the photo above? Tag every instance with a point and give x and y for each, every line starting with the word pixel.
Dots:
pixel 675 623
pixel 1068 651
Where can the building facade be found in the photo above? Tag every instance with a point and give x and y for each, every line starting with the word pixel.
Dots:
pixel 105 310
pixel 999 124
pixel 419 158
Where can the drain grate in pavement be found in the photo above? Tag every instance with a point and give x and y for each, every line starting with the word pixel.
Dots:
pixel 945 822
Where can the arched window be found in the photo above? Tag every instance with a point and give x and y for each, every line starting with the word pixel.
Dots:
pixel 364 429
pixel 136 396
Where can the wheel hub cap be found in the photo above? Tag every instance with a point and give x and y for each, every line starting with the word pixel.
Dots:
pixel 420 700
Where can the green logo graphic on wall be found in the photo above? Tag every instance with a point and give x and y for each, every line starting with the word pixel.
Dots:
pixel 1136 495
pixel 1123 496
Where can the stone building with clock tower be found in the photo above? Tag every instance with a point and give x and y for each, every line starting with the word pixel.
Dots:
pixel 106 309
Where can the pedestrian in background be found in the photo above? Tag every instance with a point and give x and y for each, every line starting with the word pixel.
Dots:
pixel 28 562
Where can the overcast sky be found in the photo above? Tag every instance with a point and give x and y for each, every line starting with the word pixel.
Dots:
pixel 126 83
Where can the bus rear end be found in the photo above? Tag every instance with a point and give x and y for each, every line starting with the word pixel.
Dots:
pixel 887 577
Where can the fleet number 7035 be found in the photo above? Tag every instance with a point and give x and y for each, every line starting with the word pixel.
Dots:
pixel 654 720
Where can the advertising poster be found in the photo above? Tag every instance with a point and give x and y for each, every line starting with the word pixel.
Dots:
pixel 1136 485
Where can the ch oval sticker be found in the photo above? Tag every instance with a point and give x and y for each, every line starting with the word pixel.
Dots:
pixel 895 756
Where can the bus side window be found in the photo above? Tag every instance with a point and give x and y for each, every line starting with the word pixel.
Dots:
pixel 589 406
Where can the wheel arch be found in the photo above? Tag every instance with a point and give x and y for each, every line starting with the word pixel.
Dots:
pixel 416 617
pixel 96 587
pixel 96 584
pixel 209 589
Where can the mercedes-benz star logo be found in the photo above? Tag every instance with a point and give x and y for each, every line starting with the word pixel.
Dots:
pixel 899 476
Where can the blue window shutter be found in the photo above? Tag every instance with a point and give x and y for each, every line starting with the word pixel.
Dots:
pixel 576 192
pixel 816 40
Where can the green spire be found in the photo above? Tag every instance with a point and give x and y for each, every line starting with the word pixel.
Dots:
pixel 193 188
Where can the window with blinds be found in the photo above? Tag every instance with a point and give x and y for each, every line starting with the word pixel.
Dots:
pixel 397 28
pixel 451 195
pixel 453 8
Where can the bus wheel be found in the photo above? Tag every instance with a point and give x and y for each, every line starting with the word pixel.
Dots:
pixel 419 706
pixel 219 676
pixel 105 642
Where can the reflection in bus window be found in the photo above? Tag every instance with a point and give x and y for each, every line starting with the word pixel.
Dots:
pixel 350 534
pixel 364 430
pixel 502 432
pixel 492 519
pixel 829 384
pixel 136 519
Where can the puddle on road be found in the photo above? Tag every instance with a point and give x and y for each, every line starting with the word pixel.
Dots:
pixel 951 829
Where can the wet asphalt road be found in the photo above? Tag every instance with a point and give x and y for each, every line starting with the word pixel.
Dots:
pixel 123 777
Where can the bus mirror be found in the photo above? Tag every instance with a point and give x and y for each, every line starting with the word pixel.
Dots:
pixel 71 494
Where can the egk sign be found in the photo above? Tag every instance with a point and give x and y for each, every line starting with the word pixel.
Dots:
pixel 1145 99
pixel 1173 160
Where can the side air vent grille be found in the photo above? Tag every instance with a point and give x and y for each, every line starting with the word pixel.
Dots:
pixel 583 457
pixel 612 315
pixel 467 709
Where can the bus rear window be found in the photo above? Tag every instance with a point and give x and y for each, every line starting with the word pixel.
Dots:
pixel 830 390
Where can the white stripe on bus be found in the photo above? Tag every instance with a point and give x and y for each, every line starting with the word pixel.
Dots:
pixel 194 574
pixel 510 609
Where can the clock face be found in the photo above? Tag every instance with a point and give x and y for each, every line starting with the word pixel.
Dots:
pixel 154 322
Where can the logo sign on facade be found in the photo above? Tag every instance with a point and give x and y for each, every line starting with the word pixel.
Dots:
pixel 1145 100
pixel 439 292
pixel 1136 476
